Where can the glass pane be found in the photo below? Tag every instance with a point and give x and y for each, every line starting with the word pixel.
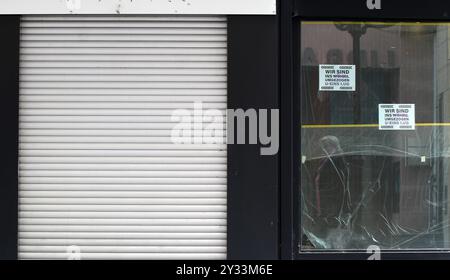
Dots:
pixel 363 184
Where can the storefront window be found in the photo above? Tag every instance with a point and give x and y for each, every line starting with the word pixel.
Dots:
pixel 375 136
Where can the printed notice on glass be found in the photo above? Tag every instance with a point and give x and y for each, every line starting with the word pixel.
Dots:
pixel 336 77
pixel 396 117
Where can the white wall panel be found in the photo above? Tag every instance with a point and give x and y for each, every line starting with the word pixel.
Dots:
pixel 206 7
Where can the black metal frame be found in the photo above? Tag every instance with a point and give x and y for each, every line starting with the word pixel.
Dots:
pixel 9 115
pixel 289 118
pixel 292 12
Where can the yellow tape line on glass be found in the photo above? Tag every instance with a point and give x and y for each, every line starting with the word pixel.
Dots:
pixel 364 125
pixel 379 23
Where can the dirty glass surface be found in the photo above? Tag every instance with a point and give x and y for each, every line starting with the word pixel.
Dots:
pixel 362 186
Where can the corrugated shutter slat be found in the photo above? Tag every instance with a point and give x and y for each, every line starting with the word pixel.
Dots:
pixel 97 168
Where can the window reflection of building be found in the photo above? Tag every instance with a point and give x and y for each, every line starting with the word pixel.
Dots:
pixel 403 199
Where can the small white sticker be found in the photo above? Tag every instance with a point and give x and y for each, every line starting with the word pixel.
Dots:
pixel 396 117
pixel 336 77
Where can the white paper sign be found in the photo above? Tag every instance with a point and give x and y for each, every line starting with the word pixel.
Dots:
pixel 336 77
pixel 396 117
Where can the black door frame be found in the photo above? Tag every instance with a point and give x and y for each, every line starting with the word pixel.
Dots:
pixel 292 12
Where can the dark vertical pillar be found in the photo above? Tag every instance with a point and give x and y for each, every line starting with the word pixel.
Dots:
pixel 253 179
pixel 9 114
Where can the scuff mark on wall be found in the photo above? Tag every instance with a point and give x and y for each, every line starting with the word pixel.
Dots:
pixel 119 5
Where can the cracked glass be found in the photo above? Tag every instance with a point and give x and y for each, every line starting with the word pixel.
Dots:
pixel 362 186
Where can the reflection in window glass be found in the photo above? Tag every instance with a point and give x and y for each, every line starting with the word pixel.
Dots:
pixel 364 186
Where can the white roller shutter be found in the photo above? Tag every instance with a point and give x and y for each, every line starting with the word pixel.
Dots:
pixel 97 168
